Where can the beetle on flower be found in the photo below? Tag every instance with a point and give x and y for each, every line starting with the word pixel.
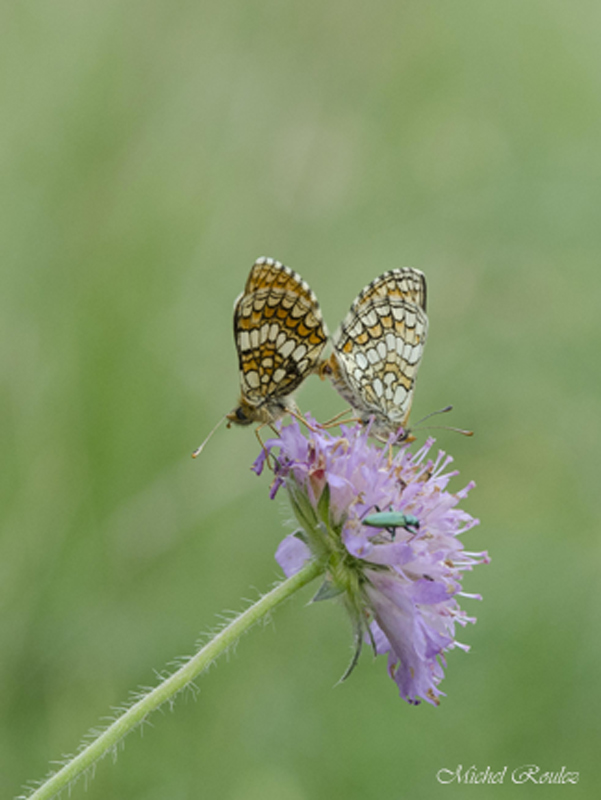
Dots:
pixel 391 520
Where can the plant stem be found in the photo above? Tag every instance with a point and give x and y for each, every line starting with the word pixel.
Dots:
pixel 168 688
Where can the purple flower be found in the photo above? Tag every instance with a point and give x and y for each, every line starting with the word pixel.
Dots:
pixel 400 585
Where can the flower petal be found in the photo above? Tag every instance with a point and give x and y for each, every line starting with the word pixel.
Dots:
pixel 292 554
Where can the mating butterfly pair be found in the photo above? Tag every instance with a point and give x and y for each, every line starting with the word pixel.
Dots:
pixel 280 335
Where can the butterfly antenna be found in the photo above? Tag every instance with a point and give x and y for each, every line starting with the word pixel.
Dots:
pixel 199 450
pixel 449 428
pixel 433 413
pixel 441 427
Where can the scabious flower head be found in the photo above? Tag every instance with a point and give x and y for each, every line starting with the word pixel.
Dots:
pixel 399 584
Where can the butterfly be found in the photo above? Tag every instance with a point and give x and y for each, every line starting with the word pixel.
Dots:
pixel 378 347
pixel 280 335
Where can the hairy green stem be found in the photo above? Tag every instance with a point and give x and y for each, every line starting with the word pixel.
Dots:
pixel 168 688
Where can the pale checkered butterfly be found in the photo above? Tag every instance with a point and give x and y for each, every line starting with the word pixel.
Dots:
pixel 378 347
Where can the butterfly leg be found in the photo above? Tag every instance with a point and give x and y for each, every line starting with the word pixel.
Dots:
pixel 338 419
pixel 297 415
pixel 262 443
pixel 390 455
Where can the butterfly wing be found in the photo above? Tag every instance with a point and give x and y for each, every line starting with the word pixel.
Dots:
pixel 406 284
pixel 378 348
pixel 279 333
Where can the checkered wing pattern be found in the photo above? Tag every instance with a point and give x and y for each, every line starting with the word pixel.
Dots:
pixel 378 348
pixel 280 335
pixel 406 284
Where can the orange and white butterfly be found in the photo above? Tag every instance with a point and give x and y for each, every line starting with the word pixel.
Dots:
pixel 280 335
pixel 378 347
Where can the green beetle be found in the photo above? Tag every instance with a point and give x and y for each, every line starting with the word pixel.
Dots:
pixel 391 520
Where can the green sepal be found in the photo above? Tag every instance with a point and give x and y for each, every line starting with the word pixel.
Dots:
pixel 300 534
pixel 301 506
pixel 358 637
pixel 315 531
pixel 323 505
pixel 327 590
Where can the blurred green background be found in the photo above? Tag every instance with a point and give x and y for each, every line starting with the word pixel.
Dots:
pixel 149 152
